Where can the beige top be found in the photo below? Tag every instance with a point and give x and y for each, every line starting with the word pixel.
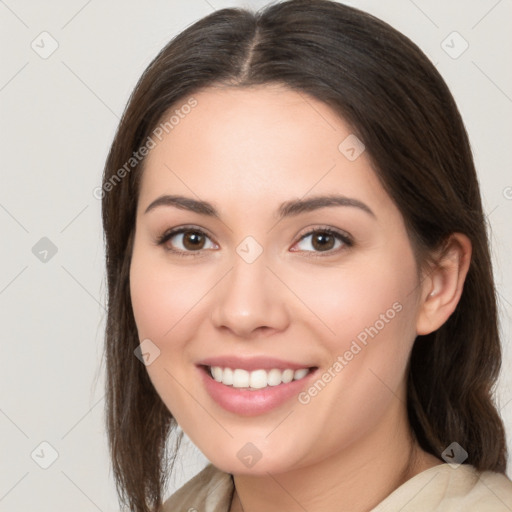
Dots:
pixel 439 489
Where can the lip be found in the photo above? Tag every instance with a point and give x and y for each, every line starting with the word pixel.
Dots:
pixel 246 402
pixel 252 363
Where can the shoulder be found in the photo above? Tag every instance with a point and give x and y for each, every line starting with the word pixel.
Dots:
pixel 490 492
pixel 209 491
pixel 445 489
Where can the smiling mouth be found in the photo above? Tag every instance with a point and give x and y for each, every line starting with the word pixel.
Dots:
pixel 256 379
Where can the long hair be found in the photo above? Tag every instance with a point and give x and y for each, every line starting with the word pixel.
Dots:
pixel 396 102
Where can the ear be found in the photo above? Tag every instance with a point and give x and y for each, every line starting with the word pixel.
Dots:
pixel 442 286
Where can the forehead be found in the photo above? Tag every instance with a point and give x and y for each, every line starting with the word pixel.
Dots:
pixel 255 145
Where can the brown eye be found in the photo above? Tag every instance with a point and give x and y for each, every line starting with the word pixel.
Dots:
pixel 192 240
pixel 186 240
pixel 323 240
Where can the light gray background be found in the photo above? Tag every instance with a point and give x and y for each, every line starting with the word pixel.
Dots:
pixel 58 117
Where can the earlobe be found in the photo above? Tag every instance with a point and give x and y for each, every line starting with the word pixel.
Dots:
pixel 442 287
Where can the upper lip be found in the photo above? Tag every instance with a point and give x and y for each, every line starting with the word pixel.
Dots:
pixel 251 363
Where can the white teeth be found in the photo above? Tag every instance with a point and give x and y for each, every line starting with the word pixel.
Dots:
pixel 256 379
pixel 240 378
pixel 288 376
pixel 227 376
pixel 217 373
pixel 274 377
pixel 299 374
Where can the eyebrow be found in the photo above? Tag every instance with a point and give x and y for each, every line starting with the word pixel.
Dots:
pixel 286 209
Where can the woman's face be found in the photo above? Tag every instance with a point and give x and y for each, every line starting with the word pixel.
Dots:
pixel 255 282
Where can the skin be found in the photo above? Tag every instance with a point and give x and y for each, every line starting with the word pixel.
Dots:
pixel 246 151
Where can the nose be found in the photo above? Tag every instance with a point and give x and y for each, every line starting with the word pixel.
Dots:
pixel 250 301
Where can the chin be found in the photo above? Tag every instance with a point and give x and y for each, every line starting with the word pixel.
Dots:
pixel 249 460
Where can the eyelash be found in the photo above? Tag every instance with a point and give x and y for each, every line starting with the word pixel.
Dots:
pixel 338 235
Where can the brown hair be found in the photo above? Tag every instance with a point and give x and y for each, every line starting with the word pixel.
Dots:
pixel 400 107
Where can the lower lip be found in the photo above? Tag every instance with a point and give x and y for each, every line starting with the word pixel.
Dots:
pixel 246 402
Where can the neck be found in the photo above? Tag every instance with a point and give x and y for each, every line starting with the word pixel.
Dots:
pixel 356 479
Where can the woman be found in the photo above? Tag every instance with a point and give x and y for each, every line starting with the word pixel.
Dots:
pixel 299 274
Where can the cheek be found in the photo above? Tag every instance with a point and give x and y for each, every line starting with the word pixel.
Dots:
pixel 372 315
pixel 163 306
pixel 163 297
pixel 364 315
pixel 358 301
pixel 170 304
